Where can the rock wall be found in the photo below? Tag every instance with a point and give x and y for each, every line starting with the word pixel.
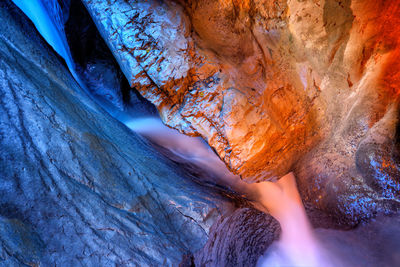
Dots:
pixel 98 68
pixel 77 188
pixel 354 172
pixel 309 86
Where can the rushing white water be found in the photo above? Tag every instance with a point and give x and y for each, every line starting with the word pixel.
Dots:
pixel 192 149
pixel 297 246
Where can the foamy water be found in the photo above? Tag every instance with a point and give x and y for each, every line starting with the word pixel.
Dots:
pixel 297 245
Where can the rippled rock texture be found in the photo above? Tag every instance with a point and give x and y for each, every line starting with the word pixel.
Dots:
pixel 275 85
pixel 77 188
pixel 238 239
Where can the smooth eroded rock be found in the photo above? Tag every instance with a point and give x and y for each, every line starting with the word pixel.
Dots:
pixel 238 239
pixel 78 188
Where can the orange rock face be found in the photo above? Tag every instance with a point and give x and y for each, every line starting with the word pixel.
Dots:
pixel 357 160
pixel 267 83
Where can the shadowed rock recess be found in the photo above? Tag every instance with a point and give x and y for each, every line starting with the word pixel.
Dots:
pixel 275 85
pixel 77 188
pixel 238 240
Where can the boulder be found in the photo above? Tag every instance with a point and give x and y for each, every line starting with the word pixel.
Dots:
pixel 238 239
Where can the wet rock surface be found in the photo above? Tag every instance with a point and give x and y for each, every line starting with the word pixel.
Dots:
pixel 274 86
pixel 353 173
pixel 362 178
pixel 77 188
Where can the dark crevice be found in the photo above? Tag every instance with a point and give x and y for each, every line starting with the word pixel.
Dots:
pixel 97 66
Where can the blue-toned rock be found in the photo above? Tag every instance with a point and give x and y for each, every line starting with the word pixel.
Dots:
pixel 78 188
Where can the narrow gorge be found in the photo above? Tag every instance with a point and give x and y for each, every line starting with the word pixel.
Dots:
pixel 211 133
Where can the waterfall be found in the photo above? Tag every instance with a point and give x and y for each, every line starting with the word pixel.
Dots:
pixel 50 26
pixel 297 245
